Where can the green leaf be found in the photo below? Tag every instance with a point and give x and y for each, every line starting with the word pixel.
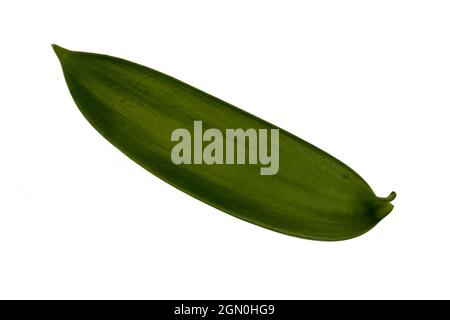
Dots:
pixel 312 195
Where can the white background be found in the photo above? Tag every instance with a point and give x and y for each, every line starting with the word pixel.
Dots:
pixel 368 81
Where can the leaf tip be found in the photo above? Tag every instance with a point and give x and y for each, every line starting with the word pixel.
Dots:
pixel 60 51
